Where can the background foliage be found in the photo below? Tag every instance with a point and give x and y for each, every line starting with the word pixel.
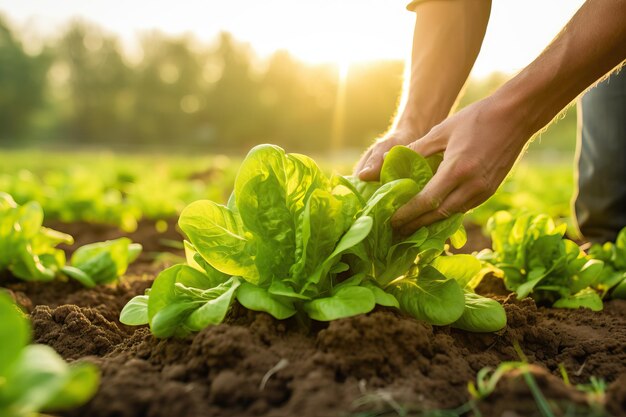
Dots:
pixel 83 87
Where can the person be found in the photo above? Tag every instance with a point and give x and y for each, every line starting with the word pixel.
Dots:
pixel 600 203
pixel 481 143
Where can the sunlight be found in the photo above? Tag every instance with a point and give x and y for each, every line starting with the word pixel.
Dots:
pixel 343 68
pixel 504 48
pixel 339 113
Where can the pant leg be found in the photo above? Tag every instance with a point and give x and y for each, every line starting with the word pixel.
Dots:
pixel 600 204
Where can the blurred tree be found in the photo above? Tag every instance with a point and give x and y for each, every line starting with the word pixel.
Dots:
pixel 93 87
pixel 234 106
pixel 180 93
pixel 372 96
pixel 168 92
pixel 22 85
pixel 297 103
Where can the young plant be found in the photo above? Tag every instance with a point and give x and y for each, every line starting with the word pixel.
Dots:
pixel 34 377
pixel 534 258
pixel 29 251
pixel 612 279
pixel 102 262
pixel 294 241
pixel 487 379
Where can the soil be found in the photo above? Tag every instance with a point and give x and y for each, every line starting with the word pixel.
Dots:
pixel 382 363
pixel 153 241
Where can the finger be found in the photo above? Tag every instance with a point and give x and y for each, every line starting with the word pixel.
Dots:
pixel 459 201
pixel 430 144
pixel 371 169
pixel 430 198
pixel 361 164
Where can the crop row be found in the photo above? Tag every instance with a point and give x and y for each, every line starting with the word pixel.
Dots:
pixel 293 241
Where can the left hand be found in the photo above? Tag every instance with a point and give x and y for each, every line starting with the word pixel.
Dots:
pixel 368 167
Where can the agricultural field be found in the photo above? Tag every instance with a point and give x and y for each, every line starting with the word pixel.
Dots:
pixel 272 285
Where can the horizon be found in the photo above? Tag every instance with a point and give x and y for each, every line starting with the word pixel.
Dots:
pixel 504 50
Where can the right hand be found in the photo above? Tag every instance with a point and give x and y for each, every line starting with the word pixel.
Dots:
pixel 480 144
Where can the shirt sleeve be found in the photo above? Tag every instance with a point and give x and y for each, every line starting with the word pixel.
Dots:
pixel 413 4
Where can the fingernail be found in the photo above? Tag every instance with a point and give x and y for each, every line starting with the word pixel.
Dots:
pixel 366 169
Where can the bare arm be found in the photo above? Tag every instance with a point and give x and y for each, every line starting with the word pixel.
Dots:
pixel 482 142
pixel 446 40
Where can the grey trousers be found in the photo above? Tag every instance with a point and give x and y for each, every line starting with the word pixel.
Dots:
pixel 600 204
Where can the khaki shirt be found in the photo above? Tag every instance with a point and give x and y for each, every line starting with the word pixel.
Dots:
pixel 413 4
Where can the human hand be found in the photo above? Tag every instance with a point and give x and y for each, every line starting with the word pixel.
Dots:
pixel 368 167
pixel 480 144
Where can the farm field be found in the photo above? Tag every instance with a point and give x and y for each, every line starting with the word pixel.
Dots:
pixel 332 356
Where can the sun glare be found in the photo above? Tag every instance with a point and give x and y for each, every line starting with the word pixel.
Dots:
pixel 339 114
pixel 343 68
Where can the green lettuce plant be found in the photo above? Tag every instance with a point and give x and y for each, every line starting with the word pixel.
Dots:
pixel 116 192
pixel 292 240
pixel 102 262
pixel 29 251
pixel 612 279
pixel 529 251
pixel 34 377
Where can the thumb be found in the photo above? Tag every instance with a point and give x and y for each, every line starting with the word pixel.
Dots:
pixel 431 143
pixel 371 167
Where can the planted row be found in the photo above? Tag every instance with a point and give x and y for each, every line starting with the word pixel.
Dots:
pixel 293 241
pixel 29 251
pixel 531 254
pixel 118 195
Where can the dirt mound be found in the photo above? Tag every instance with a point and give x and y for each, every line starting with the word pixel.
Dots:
pixel 492 286
pixel 107 300
pixel 75 332
pixel 255 365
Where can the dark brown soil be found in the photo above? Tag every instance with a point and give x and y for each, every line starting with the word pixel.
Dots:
pixel 383 362
pixel 147 234
pixel 75 331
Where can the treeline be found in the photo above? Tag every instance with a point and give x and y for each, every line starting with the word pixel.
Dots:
pixel 82 87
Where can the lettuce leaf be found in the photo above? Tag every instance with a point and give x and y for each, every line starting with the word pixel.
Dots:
pixel 293 241
pixel 537 261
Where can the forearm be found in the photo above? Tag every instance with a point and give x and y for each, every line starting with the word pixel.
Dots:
pixel 447 38
pixel 590 46
pixel 482 142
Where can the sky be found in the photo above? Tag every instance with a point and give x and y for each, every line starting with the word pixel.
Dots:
pixel 339 31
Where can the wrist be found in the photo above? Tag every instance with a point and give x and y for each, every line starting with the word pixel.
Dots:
pixel 524 104
pixel 412 123
pixel 407 127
